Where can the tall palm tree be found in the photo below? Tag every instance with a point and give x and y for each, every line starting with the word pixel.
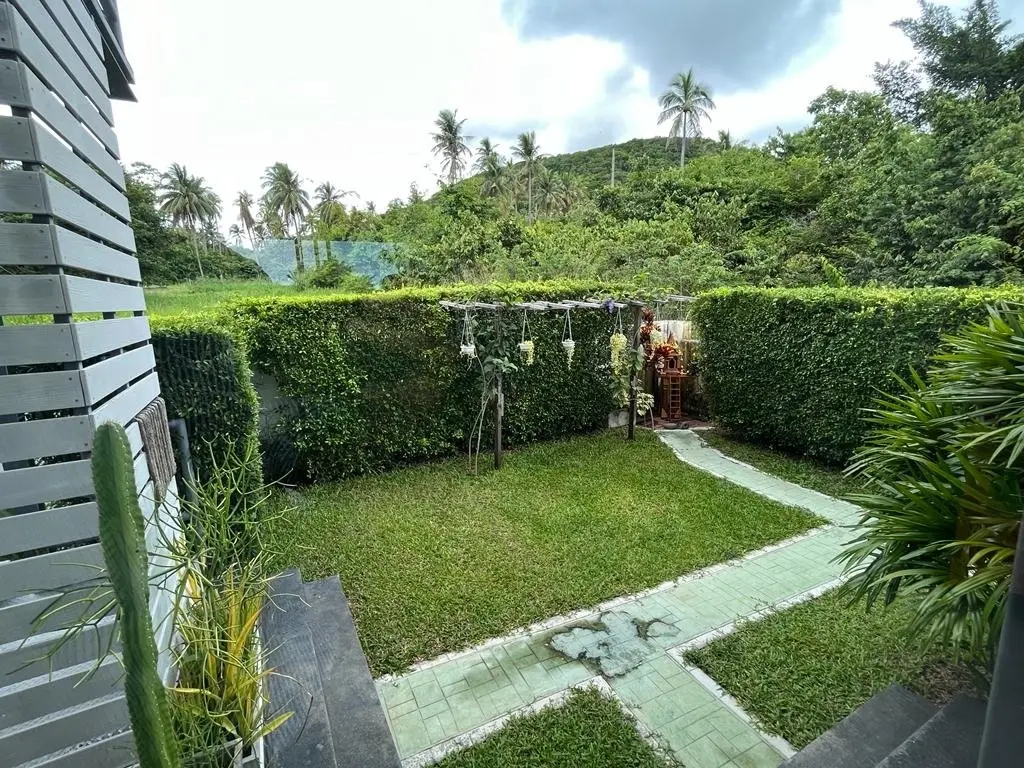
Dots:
pixel 283 193
pixel 527 151
pixel 188 202
pixel 329 211
pixel 245 202
pixel 235 233
pixel 725 139
pixel 486 155
pixel 686 103
pixel 450 143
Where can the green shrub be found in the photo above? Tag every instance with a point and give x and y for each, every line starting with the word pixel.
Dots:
pixel 794 368
pixel 205 379
pixel 376 380
pixel 333 274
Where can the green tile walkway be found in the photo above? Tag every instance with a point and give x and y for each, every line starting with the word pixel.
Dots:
pixel 634 644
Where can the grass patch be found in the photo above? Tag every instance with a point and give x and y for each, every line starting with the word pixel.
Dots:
pixel 796 469
pixel 433 559
pixel 587 730
pixel 803 670
pixel 204 295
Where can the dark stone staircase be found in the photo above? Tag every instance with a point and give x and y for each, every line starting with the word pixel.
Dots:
pixel 321 674
pixel 899 729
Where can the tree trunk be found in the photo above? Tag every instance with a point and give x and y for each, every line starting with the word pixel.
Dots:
pixel 327 245
pixel 300 265
pixel 682 151
pixel 195 248
pixel 316 251
pixel 529 195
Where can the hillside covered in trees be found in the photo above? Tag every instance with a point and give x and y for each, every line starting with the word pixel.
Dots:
pixel 917 182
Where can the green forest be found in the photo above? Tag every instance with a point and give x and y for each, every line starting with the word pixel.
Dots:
pixel 917 182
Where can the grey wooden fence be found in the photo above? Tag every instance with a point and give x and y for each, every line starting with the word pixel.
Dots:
pixel 74 352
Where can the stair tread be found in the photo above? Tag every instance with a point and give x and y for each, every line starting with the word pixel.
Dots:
pixel 868 734
pixel 950 739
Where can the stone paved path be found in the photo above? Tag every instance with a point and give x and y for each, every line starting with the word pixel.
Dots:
pixel 635 644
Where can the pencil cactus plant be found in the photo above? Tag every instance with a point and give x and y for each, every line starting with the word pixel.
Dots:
pixel 122 539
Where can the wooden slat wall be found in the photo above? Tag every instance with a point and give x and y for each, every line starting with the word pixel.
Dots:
pixel 69 260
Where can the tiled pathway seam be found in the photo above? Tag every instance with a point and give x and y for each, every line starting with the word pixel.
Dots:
pixel 448 698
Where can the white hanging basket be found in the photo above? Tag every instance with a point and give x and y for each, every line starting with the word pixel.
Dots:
pixel 570 348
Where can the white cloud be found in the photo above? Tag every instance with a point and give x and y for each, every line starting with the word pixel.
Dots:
pixel 347 91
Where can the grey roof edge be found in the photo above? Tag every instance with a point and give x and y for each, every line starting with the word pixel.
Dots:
pixel 119 71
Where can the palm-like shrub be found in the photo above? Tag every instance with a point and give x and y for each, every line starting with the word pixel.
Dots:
pixel 943 502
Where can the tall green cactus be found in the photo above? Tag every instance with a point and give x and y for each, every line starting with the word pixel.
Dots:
pixel 122 537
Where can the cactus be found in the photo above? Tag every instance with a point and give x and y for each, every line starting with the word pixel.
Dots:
pixel 122 538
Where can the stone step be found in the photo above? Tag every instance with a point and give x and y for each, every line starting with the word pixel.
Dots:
pixel 322 676
pixel 950 739
pixel 869 734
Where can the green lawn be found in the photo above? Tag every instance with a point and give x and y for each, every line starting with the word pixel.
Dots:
pixel 433 559
pixel 802 471
pixel 588 730
pixel 803 670
pixel 203 295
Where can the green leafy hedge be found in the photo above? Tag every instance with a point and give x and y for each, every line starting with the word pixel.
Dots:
pixel 376 380
pixel 206 380
pixel 793 368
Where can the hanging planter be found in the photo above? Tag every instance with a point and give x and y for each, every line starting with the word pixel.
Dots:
pixel 568 344
pixel 617 344
pixel 468 346
pixel 526 346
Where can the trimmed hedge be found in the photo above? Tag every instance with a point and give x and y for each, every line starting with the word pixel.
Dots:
pixel 794 368
pixel 377 380
pixel 206 380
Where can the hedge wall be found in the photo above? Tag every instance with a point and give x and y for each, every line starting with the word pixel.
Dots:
pixel 206 380
pixel 793 368
pixel 376 380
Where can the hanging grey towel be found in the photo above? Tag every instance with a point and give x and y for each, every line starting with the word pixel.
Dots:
pixel 156 442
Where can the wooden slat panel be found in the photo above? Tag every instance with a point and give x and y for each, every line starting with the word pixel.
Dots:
pixel 67 688
pixel 18 616
pixel 59 158
pixel 97 337
pixel 26 244
pixel 20 87
pixel 134 437
pixel 31 295
pixel 65 730
pixel 66 53
pixel 44 437
pixel 68 205
pixel 86 295
pixel 85 22
pixel 18 36
pixel 50 482
pixel 23 663
pixel 16 139
pixel 48 528
pixel 92 56
pixel 30 344
pixel 51 571
pixel 101 379
pixel 125 406
pixel 117 751
pixel 142 481
pixel 29 392
pixel 22 192
pixel 79 252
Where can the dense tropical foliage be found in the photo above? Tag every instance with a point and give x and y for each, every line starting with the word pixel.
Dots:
pixel 944 475
pixel 918 182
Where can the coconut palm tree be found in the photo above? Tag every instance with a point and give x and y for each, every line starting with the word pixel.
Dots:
pixel 245 202
pixel 486 155
pixel 283 194
pixel 189 203
pixel 329 211
pixel 235 233
pixel 686 104
pixel 527 151
pixel 450 143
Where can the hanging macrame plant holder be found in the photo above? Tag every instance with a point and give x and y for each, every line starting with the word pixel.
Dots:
pixel 617 343
pixel 568 344
pixel 526 345
pixel 468 346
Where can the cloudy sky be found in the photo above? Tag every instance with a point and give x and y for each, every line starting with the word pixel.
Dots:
pixel 346 90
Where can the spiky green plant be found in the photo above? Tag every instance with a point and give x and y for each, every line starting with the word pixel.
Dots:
pixel 944 474
pixel 122 538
